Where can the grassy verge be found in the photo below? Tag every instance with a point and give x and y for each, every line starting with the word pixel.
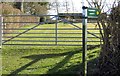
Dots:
pixel 45 60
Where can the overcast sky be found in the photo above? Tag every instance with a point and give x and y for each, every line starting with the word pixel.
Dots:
pixel 75 6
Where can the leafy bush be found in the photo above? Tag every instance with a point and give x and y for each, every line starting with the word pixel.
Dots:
pixel 110 54
pixel 8 9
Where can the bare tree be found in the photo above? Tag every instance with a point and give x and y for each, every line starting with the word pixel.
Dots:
pixel 57 6
pixel 66 5
pixel 109 59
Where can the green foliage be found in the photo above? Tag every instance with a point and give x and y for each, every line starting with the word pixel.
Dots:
pixel 28 7
pixel 7 8
pixel 110 54
pixel 17 5
pixel 35 7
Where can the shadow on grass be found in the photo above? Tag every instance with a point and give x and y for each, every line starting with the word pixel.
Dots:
pixel 76 70
pixel 55 69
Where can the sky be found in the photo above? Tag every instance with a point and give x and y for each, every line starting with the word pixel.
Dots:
pixel 75 6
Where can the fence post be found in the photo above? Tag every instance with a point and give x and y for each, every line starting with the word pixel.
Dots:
pixel 56 31
pixel 84 41
pixel 1 30
pixel 1 25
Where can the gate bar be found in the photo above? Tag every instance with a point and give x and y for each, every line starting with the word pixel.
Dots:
pixel 48 41
pixel 47 37
pixel 46 33
pixel 49 29
pixel 40 15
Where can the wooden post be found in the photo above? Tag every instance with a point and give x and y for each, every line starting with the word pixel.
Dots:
pixel 56 31
pixel 22 6
pixel 1 30
pixel 1 25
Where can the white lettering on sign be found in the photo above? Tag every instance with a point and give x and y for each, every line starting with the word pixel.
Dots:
pixel 92 13
pixel 92 10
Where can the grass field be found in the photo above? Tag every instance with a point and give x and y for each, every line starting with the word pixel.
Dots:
pixel 49 59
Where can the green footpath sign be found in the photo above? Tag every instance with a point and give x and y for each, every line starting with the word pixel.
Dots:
pixel 92 12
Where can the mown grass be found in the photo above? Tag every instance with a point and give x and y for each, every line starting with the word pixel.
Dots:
pixel 48 59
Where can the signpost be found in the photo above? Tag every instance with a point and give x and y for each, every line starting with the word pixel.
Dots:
pixel 84 41
pixel 87 13
pixel 93 12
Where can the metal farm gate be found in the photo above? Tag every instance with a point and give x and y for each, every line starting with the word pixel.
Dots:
pixel 55 31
